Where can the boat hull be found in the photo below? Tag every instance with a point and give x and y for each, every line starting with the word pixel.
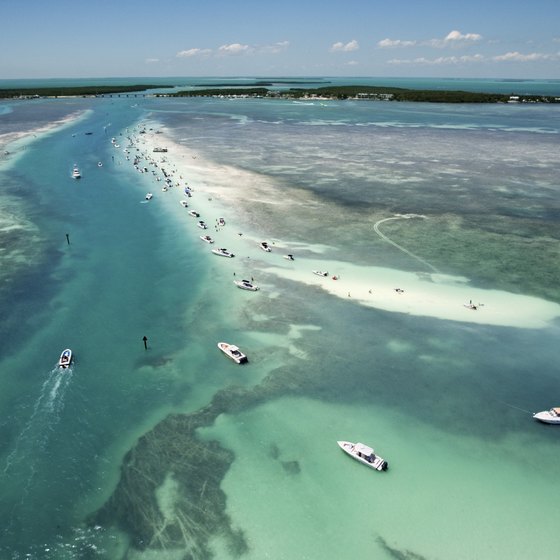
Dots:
pixel 546 417
pixel 65 359
pixel 233 352
pixel 375 462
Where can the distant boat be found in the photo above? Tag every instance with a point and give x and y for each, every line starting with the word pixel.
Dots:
pixel 551 416
pixel 99 164
pixel 264 246
pixel 221 222
pixel 246 285
pixel 76 173
pixel 149 196
pixel 222 252
pixel 202 224
pixel 183 203
pixel 364 454
pixel 194 214
pixel 207 238
pixel 65 359
pixel 320 273
pixel 233 352
pixel 289 257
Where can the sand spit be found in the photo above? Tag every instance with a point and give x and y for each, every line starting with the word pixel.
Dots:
pixel 12 144
pixel 220 190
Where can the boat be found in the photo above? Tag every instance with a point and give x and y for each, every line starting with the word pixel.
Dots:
pixel 194 214
pixel 222 252
pixel 320 273
pixel 99 164
pixel 183 203
pixel 233 352
pixel 264 246
pixel 76 173
pixel 364 454
pixel 65 359
pixel 149 196
pixel 207 238
pixel 221 222
pixel 551 416
pixel 289 257
pixel 202 225
pixel 246 285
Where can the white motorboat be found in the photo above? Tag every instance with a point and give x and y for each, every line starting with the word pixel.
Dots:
pixel 99 164
pixel 320 273
pixel 364 454
pixel 551 416
pixel 76 173
pixel 221 222
pixel 194 214
pixel 202 225
pixel 233 352
pixel 183 203
pixel 264 246
pixel 222 252
pixel 289 257
pixel 207 238
pixel 65 359
pixel 246 285
pixel 149 196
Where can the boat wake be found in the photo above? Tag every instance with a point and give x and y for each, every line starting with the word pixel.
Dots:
pixel 36 433
pixel 399 247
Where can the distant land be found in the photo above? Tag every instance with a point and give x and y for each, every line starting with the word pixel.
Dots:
pixel 258 89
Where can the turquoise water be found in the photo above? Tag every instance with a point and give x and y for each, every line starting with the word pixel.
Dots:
pixel 174 452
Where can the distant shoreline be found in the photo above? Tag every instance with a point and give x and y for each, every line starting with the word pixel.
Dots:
pixel 258 90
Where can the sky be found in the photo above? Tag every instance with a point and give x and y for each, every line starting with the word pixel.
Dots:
pixel 393 38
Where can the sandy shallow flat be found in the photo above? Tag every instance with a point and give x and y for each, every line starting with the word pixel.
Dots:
pixel 427 294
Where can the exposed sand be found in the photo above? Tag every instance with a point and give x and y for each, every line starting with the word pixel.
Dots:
pixel 220 190
pixel 12 144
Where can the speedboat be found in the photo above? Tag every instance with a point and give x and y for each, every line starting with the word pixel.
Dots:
pixel 364 454
pixel 194 214
pixel 202 225
pixel 222 252
pixel 65 359
pixel 149 196
pixel 207 238
pixel 233 352
pixel 320 273
pixel 289 257
pixel 264 246
pixel 76 173
pixel 551 416
pixel 246 285
pixel 221 222
pixel 183 203
pixel 99 164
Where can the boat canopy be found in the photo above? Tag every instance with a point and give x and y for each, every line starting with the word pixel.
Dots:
pixel 363 449
pixel 556 409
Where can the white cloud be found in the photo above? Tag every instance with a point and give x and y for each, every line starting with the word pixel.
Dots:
pixel 193 52
pixel 390 43
pixel 275 48
pixel 234 49
pixel 440 60
pixel 519 57
pixel 458 36
pixel 348 47
pixel 352 63
pixel 151 60
pixel 454 39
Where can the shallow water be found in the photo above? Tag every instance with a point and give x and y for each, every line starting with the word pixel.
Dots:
pixel 92 465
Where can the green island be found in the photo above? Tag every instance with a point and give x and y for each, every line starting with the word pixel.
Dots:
pixel 79 91
pixel 311 93
pixel 372 92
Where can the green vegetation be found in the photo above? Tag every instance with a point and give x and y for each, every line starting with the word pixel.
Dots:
pixel 372 92
pixel 81 91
